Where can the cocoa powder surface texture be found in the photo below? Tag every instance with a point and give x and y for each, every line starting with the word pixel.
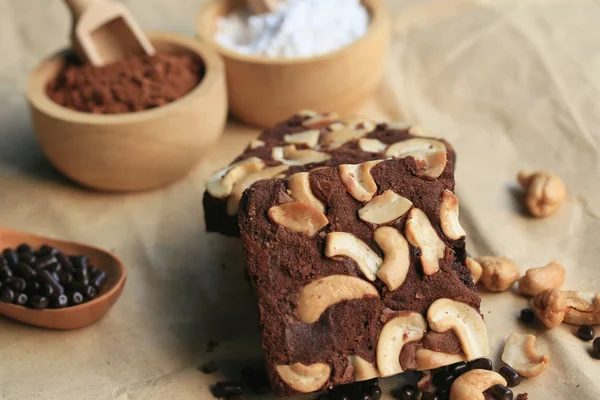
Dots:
pixel 135 83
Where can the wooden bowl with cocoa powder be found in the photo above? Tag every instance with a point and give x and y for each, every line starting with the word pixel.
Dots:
pixel 263 91
pixel 132 151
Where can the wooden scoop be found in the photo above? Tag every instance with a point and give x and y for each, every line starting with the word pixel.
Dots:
pixel 69 317
pixel 104 31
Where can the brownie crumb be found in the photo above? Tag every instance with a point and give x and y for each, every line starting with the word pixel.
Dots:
pixel 211 345
pixel 209 368
pixel 523 396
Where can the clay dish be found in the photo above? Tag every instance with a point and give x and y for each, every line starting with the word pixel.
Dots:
pixel 69 317
pixel 133 151
pixel 263 91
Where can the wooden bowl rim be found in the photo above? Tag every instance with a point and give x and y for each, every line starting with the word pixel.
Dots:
pixel 118 285
pixel 214 69
pixel 379 20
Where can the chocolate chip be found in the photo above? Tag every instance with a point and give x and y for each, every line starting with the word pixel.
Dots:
pixel 527 315
pixel 21 299
pixel 443 379
pixel 98 280
pixel 209 367
pixel 24 271
pixel 7 295
pixel 75 298
pixel 5 272
pixel 481 363
pixel 86 290
pixel 27 258
pixel 458 368
pixel 65 262
pixel 33 287
pixel 585 332
pixel 430 396
pixel 46 249
pixel 47 278
pixel 66 278
pixel 17 284
pixel 48 290
pixel 256 379
pixel 38 302
pixel 25 248
pixel 60 301
pixel 596 347
pixel 408 392
pixel 226 389
pixel 512 377
pixel 369 383
pixel 44 261
pixel 11 257
pixel 374 392
pixel 501 392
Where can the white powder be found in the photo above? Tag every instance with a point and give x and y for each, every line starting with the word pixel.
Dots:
pixel 299 28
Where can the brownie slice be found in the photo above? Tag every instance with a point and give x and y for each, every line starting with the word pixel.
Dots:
pixel 360 271
pixel 306 141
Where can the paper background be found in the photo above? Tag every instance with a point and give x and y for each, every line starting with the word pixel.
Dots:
pixel 512 84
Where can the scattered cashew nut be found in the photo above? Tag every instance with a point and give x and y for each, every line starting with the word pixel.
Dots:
pixel 550 306
pixel 290 155
pixel 321 294
pixel 363 370
pixel 256 143
pixel 221 184
pixel 465 321
pixel 309 138
pixel 583 308
pixel 545 192
pixel 536 280
pixel 321 120
pixel 348 245
pixel 475 268
pixel 339 137
pixel 371 145
pixel 498 273
pixel 396 260
pixel 385 208
pixel 431 152
pixel 358 180
pixel 304 378
pixel 472 384
pixel 449 216
pixel 429 359
pixel 421 234
pixel 401 329
pixel 299 186
pixel 519 352
pixel 298 217
pixel 247 181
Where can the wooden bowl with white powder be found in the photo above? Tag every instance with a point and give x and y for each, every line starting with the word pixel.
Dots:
pixel 264 89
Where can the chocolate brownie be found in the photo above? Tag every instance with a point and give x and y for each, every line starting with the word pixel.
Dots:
pixel 306 141
pixel 360 271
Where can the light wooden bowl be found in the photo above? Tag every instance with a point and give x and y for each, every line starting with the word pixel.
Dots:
pixel 70 317
pixel 133 151
pixel 264 90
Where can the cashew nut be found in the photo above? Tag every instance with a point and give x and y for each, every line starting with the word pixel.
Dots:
pixel 359 122
pixel 221 184
pixel 519 353
pixel 304 378
pixel 307 113
pixel 256 143
pixel 475 268
pixel 396 260
pixel 320 120
pixel 298 217
pixel 465 321
pixel 429 359
pixel 498 273
pixel 291 156
pixel 536 280
pixel 550 306
pixel 401 329
pixel 421 234
pixel 339 137
pixel 430 154
pixel 309 138
pixel 385 208
pixel 371 145
pixel 246 182
pixel 348 245
pixel 299 186
pixel 321 294
pixel 418 130
pixel 449 216
pixel 363 370
pixel 358 180
pixel 545 192
pixel 472 384
pixel 583 308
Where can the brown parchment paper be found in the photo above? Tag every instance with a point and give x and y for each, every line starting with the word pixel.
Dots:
pixel 512 84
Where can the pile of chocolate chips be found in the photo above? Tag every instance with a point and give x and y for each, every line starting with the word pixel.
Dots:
pixel 365 390
pixel 47 278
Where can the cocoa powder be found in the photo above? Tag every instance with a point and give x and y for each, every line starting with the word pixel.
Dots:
pixel 135 83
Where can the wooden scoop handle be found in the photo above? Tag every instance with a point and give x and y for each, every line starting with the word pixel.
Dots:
pixel 79 6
